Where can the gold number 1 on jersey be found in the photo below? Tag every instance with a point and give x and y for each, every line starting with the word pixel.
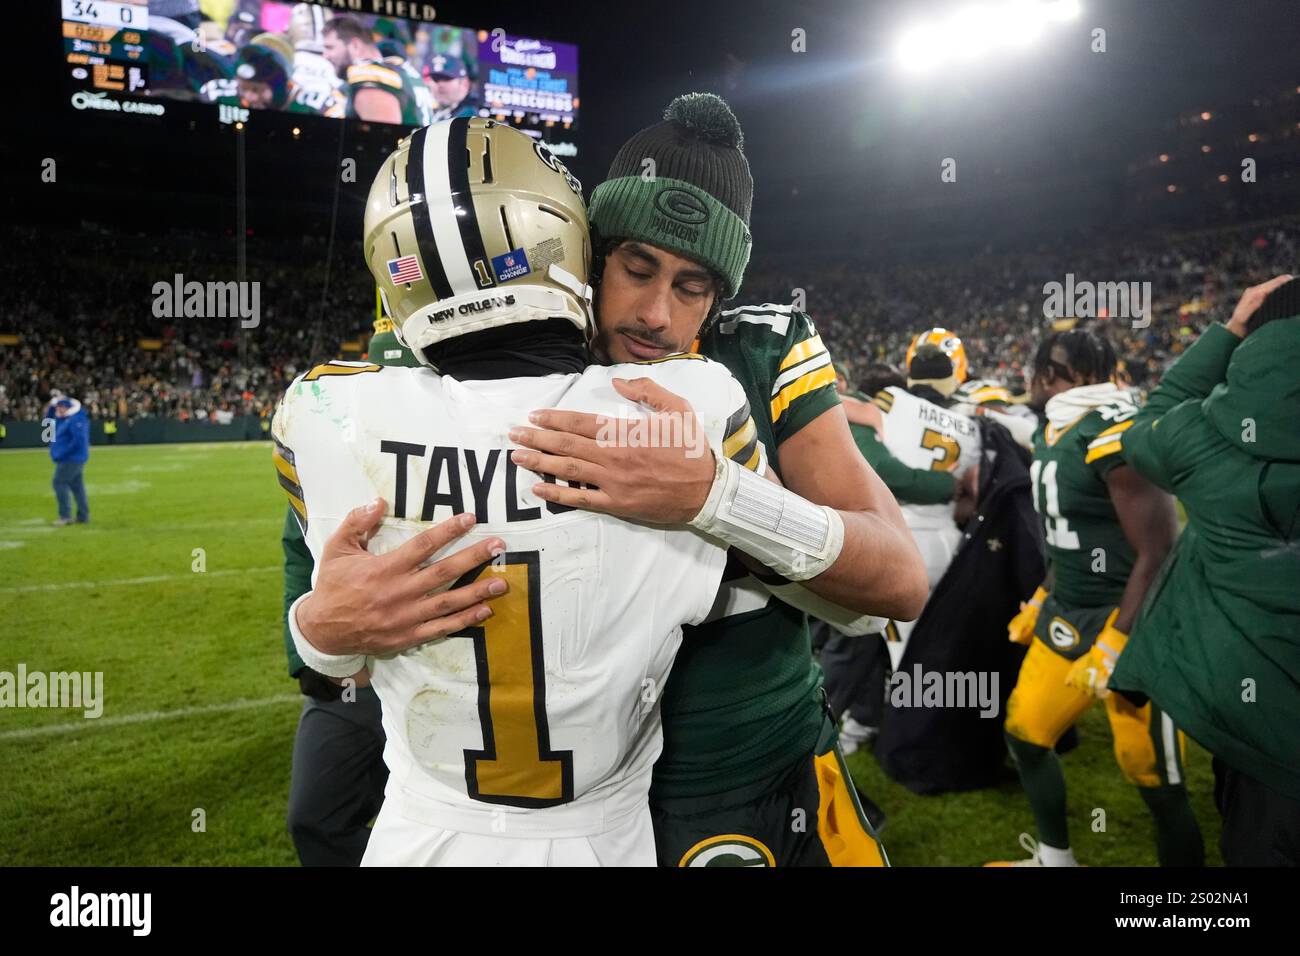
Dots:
pixel 516 766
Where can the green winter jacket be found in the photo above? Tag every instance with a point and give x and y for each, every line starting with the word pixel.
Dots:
pixel 1217 643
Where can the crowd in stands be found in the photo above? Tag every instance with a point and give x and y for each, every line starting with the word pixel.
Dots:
pixel 996 302
pixel 91 329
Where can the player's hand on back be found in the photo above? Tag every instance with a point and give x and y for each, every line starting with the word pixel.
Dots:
pixel 373 604
pixel 656 471
pixel 1250 302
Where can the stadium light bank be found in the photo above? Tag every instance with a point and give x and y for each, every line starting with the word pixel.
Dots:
pixel 977 31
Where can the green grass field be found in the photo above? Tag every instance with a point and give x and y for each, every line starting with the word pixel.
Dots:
pixel 199 712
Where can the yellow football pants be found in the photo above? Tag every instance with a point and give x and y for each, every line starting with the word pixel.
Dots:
pixel 1149 749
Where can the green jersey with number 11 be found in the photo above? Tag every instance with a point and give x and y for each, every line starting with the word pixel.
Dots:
pixel 1089 556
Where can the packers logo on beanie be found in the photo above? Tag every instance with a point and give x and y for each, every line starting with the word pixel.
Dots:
pixel 693 198
pixel 268 59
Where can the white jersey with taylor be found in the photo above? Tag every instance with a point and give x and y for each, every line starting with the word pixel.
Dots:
pixel 543 721
pixel 922 434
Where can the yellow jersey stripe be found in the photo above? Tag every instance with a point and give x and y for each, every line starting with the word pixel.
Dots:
pixel 802 386
pixel 739 439
pixel 1052 434
pixel 374 74
pixel 291 488
pixel 799 369
pixel 284 468
pixel 300 509
pixel 322 370
pixel 1101 451
pixel 1113 430
pixel 802 350
pixel 752 464
pixel 990 393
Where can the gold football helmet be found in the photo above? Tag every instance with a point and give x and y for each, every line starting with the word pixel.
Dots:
pixel 307 26
pixel 948 343
pixel 983 391
pixel 471 225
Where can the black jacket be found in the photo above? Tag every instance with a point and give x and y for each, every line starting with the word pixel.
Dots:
pixel 964 629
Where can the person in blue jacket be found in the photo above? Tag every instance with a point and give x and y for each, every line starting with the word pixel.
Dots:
pixel 70 449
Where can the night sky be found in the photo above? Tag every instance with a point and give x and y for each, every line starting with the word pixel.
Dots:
pixel 845 148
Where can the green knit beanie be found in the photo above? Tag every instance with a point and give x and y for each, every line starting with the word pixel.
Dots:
pixel 693 198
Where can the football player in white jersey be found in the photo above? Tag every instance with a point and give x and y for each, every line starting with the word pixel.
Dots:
pixel 922 432
pixel 527 738
pixel 982 396
pixel 312 73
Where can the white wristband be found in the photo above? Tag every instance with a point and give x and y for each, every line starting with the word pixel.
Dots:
pixel 842 619
pixel 789 534
pixel 331 665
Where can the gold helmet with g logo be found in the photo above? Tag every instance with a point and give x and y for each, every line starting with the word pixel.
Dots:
pixel 948 343
pixel 983 391
pixel 471 225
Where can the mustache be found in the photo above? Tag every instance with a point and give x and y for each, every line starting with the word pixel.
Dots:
pixel 649 338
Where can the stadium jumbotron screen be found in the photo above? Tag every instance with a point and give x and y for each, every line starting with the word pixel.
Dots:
pixel 304 58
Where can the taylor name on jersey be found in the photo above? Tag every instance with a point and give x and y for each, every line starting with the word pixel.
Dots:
pixel 553 699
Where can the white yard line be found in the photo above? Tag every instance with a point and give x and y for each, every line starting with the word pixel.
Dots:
pixel 149 717
pixel 154 579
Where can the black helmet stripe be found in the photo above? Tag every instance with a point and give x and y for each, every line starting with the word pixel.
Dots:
pixel 443 216
pixel 420 215
pixel 462 201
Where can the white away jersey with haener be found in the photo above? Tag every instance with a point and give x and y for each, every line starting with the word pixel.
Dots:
pixel 543 721
pixel 922 434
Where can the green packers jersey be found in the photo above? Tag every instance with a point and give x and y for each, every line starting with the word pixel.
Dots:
pixel 1089 556
pixel 317 101
pixel 297 581
pixel 223 90
pixel 314 101
pixel 743 700
pixel 395 76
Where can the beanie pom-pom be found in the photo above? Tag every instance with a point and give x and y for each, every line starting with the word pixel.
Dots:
pixel 707 116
